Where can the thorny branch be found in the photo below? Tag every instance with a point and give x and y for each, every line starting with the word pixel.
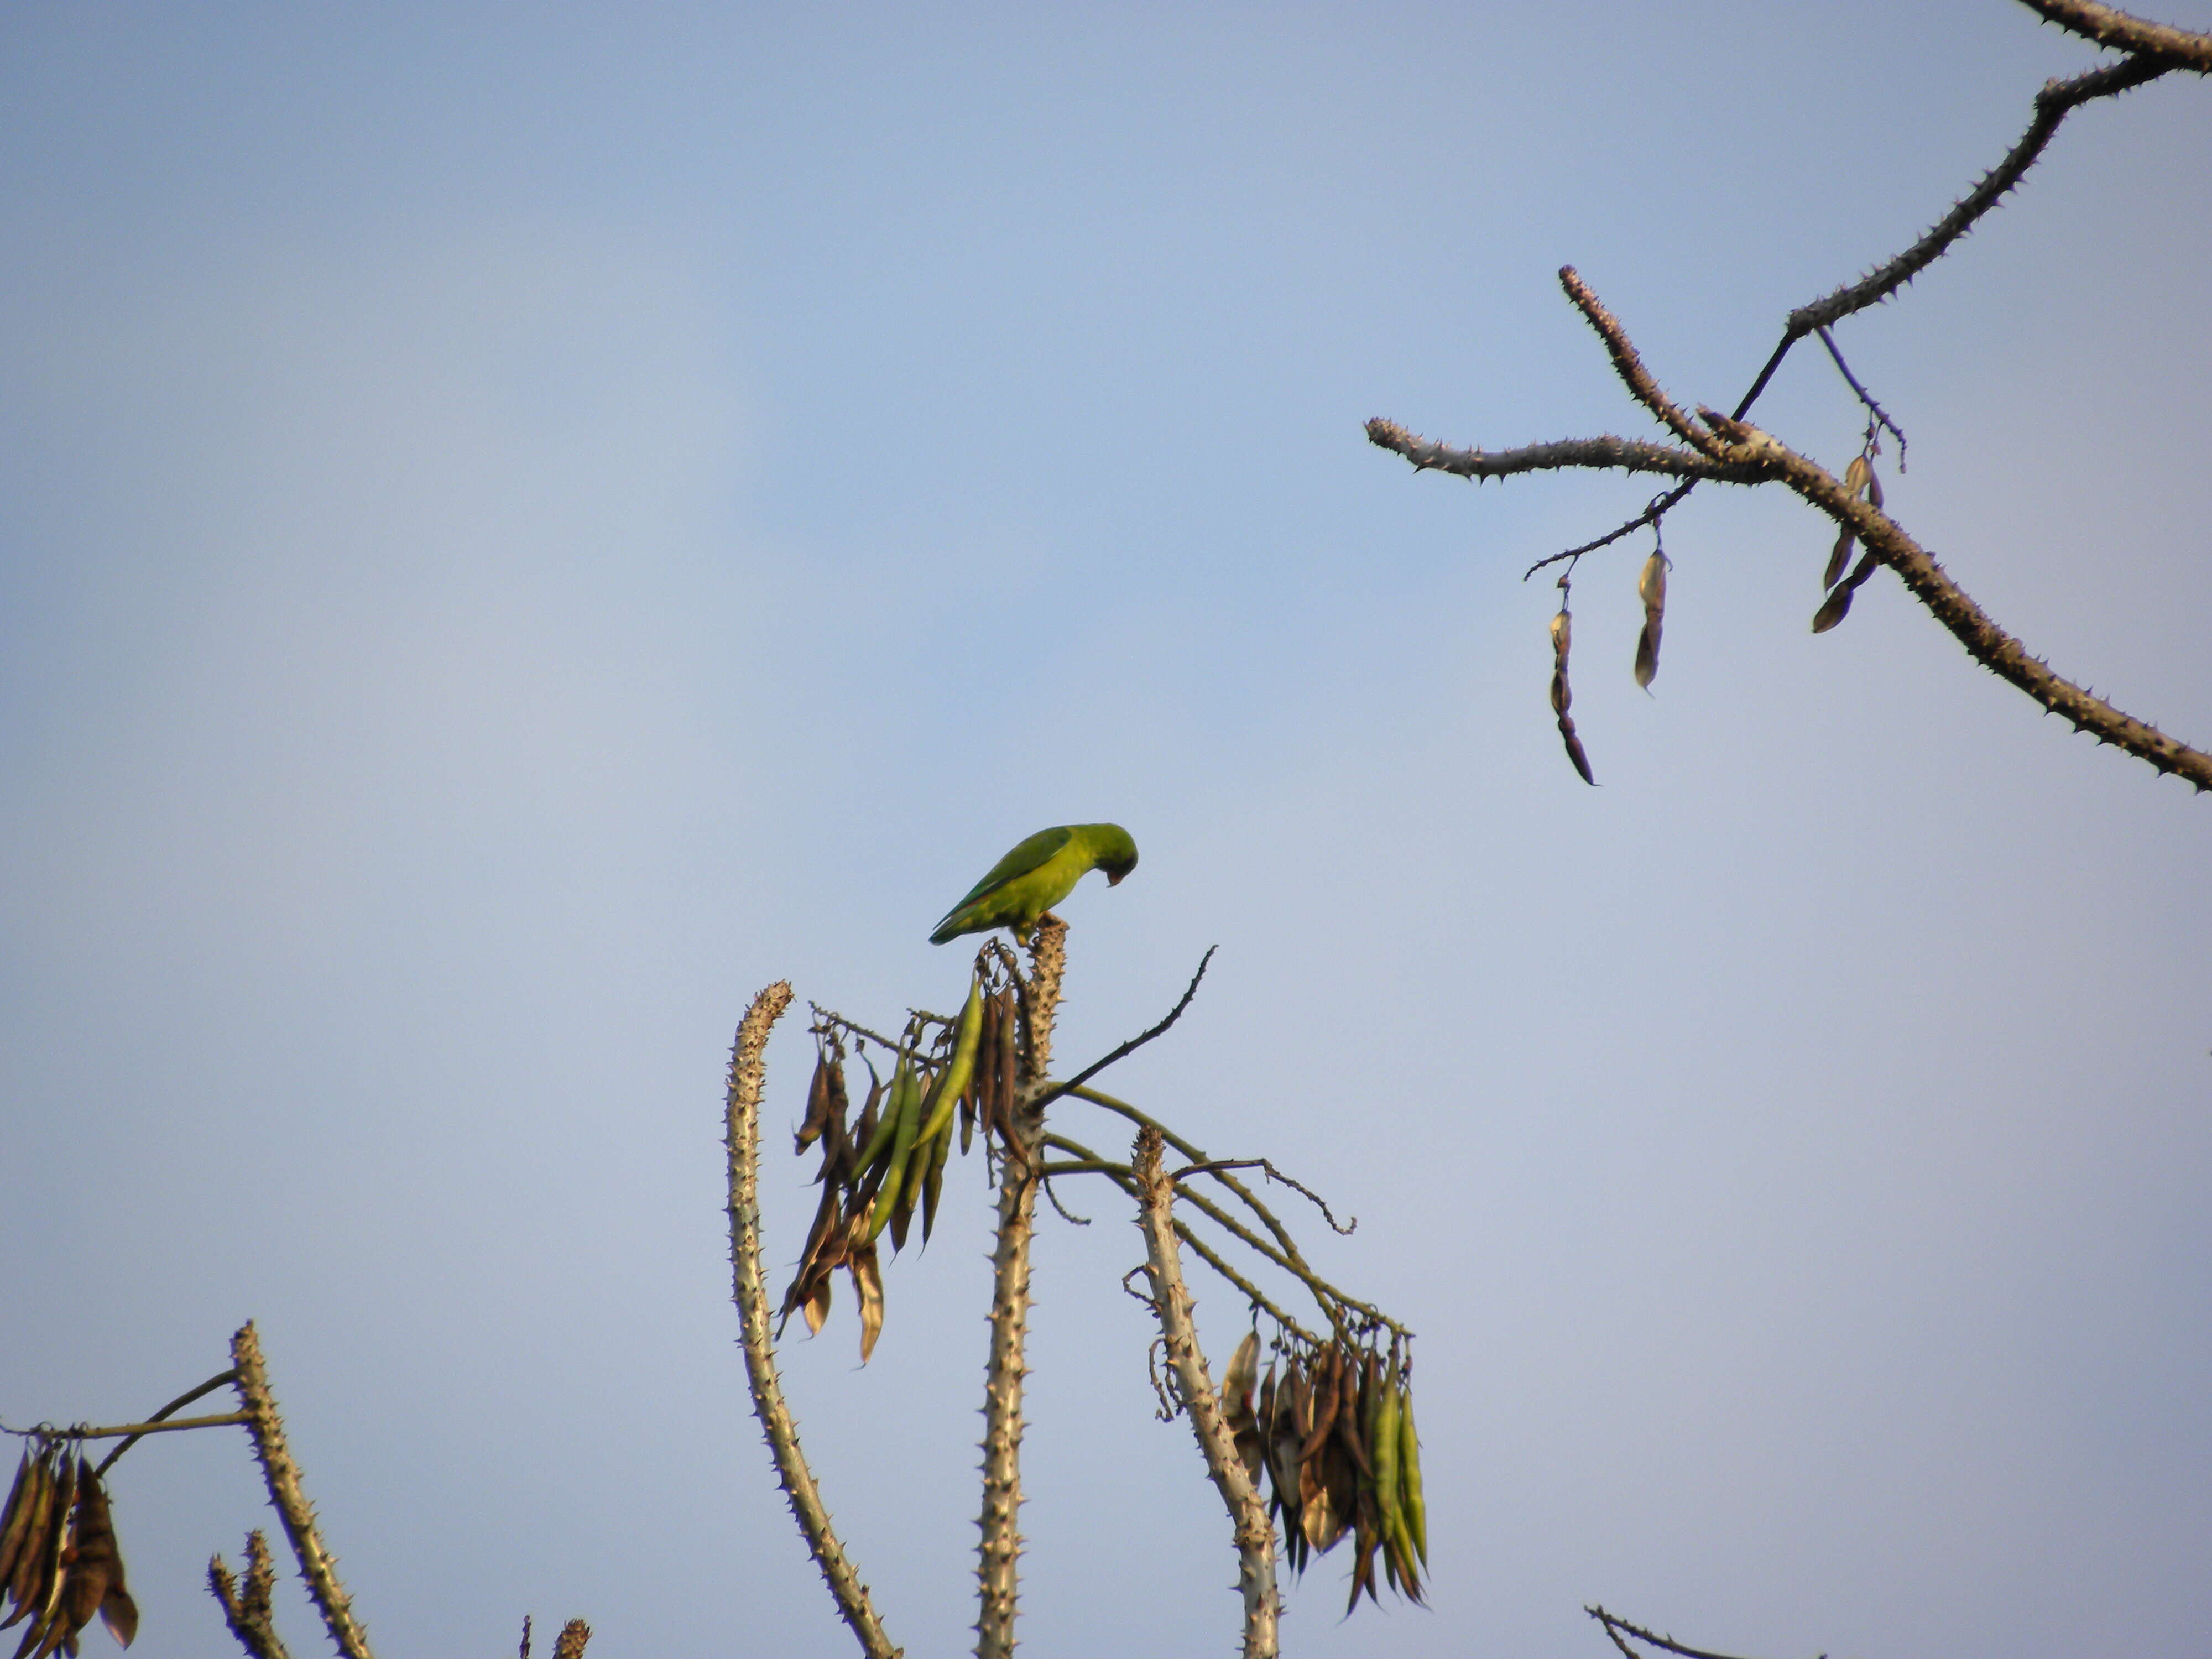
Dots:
pixel 999 1546
pixel 1171 1302
pixel 281 1475
pixel 246 1610
pixel 741 1133
pixel 1725 449
pixel 1617 1627
pixel 2109 27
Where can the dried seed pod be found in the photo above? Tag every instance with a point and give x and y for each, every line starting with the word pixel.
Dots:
pixel 1855 476
pixel 815 1308
pixel 868 1286
pixel 1651 588
pixel 98 1561
pixel 14 1519
pixel 1238 1409
pixel 1841 555
pixel 569 1645
pixel 818 1104
pixel 1874 488
pixel 1837 605
pixel 31 1541
pixel 1562 695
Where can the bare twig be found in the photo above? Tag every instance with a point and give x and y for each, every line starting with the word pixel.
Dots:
pixel 1880 414
pixel 1134 1043
pixel 741 1135
pixel 221 1379
pixel 281 1475
pixel 1660 507
pixel 247 1609
pixel 1255 1534
pixel 2108 26
pixel 998 1562
pixel 1617 1627
pixel 1066 1214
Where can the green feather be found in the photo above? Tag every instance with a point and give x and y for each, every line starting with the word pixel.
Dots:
pixel 1037 875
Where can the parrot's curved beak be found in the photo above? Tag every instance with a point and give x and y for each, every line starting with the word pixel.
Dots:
pixel 1114 880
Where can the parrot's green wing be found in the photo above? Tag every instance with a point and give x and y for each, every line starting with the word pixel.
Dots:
pixel 1024 858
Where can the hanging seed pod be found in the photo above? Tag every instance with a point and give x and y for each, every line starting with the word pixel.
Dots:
pixel 933 1184
pixel 54 1558
pixel 1651 588
pixel 1837 605
pixel 31 1542
pixel 1238 1409
pixel 817 1103
pixel 1409 1479
pixel 1839 556
pixel 868 1286
pixel 1010 1022
pixel 1562 695
pixel 15 1518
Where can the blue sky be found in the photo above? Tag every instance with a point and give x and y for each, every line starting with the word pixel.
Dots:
pixel 519 527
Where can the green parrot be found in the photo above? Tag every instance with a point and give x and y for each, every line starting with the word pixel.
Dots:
pixel 1026 884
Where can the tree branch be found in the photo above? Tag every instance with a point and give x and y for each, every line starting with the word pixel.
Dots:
pixel 1254 1532
pixel 2109 27
pixel 741 1136
pixel 997 1561
pixel 281 1475
pixel 2052 104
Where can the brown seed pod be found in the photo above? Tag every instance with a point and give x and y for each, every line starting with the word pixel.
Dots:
pixel 1651 588
pixel 818 1104
pixel 1239 1409
pixel 15 1518
pixel 1838 556
pixel 1837 605
pixel 39 1508
pixel 98 1567
pixel 1562 695
pixel 868 1286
